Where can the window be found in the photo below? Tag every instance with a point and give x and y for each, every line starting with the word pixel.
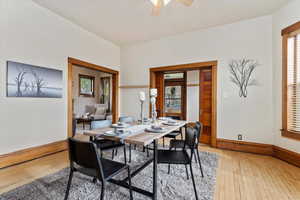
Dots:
pixel 86 86
pixel 291 81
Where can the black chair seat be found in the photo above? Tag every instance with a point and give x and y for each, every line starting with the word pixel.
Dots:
pixel 172 157
pixel 110 169
pixel 173 134
pixel 105 144
pixel 176 143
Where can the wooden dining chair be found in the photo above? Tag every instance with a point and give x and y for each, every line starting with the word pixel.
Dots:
pixel 168 156
pixel 179 144
pixel 85 159
pixel 105 144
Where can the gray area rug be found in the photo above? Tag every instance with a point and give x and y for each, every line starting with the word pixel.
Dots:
pixel 170 187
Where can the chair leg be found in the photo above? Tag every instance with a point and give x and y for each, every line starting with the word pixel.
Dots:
pixel 181 135
pixel 102 191
pixel 169 166
pixel 69 184
pixel 148 152
pixel 135 147
pixel 130 153
pixel 116 151
pixel 94 180
pixel 187 173
pixel 125 157
pixel 192 175
pixel 195 156
pixel 129 181
pixel 113 154
pixel 199 160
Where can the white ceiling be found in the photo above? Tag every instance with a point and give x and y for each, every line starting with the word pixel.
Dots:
pixel 130 21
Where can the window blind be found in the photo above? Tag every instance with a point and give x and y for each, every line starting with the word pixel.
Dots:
pixel 293 83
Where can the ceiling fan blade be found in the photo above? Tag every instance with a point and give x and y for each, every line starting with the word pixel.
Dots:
pixel 157 7
pixel 186 2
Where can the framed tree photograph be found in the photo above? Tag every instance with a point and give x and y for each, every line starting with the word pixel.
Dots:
pixel 86 85
pixel 24 80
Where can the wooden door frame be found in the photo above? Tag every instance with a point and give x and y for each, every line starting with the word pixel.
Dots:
pixel 115 88
pixel 189 67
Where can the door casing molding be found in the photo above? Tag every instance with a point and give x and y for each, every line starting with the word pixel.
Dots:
pixel 115 88
pixel 189 67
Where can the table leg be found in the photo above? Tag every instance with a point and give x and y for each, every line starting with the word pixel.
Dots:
pixel 155 170
pixel 83 124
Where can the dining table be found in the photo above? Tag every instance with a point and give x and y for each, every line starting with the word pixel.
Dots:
pixel 139 134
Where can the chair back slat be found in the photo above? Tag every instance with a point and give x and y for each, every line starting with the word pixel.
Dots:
pixel 126 119
pixel 199 129
pixel 85 155
pixel 100 124
pixel 190 137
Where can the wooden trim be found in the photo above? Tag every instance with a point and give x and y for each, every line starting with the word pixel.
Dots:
pixel 115 87
pixel 192 85
pixel 248 147
pixel 134 86
pixel 184 67
pixel 290 134
pixel 81 63
pixel 214 107
pixel 290 29
pixel 284 82
pixel 189 67
pixel 18 157
pixel 285 132
pixel 148 86
pixel 263 149
pixel 286 155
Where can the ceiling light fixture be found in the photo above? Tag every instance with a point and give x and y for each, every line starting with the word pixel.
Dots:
pixel 158 4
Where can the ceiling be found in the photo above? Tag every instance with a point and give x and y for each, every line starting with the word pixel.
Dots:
pixel 129 21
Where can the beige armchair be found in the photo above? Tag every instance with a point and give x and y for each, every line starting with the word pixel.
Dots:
pixel 97 111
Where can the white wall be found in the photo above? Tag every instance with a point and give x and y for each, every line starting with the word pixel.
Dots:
pixel 192 93
pixel 80 102
pixel 286 16
pixel 34 35
pixel 251 39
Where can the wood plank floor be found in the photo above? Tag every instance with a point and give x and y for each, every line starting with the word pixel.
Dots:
pixel 240 176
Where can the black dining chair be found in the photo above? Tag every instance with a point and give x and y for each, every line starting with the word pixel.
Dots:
pixel 173 134
pixel 105 144
pixel 165 156
pixel 179 144
pixel 85 159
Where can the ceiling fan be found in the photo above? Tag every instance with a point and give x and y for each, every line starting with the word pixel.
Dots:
pixel 158 4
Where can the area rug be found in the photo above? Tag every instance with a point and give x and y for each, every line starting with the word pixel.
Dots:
pixel 170 186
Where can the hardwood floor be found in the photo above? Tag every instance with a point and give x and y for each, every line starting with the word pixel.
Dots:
pixel 240 176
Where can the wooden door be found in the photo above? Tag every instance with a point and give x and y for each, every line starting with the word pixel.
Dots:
pixel 160 85
pixel 205 104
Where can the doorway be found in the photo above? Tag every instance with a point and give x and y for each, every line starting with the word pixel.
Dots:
pixel 88 89
pixel 207 94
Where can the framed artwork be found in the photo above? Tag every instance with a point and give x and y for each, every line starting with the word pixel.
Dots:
pixel 105 91
pixel 24 80
pixel 86 85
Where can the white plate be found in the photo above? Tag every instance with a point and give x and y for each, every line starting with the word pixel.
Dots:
pixel 171 124
pixel 120 126
pixel 110 133
pixel 155 130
